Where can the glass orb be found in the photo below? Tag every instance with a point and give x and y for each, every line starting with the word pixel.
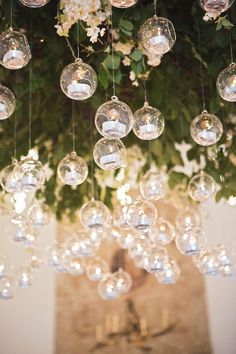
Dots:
pixel 226 83
pixel 153 185
pixel 7 102
pixel 17 232
pixel 9 180
pixel 206 129
pixel 107 287
pixel 227 260
pixel 94 215
pixel 162 233
pixel 25 278
pixel 8 287
pixel 190 241
pixel 96 269
pixel 32 238
pixel 72 170
pixel 119 218
pixel 170 273
pixel 34 3
pixel 125 238
pixel 215 6
pixel 109 154
pixel 138 250
pixel 123 4
pixel 3 266
pixel 73 264
pixel 31 174
pixel 14 50
pixel 39 215
pixel 187 218
pixel 157 35
pixel 207 262
pixel 141 215
pixel 201 187
pixel 123 281
pixel 78 81
pixel 149 123
pixel 81 245
pixel 114 119
pixel 55 257
pixel 155 260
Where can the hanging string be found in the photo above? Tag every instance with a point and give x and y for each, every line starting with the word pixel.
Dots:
pixel 112 56
pixel 145 90
pixel 78 38
pixel 11 14
pixel 91 157
pixel 30 83
pixel 73 127
pixel 15 123
pixel 155 7
pixel 201 71
pixel 70 47
pixel 231 47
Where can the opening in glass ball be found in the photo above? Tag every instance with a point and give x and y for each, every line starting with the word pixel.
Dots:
pixel 7 102
pixel 72 170
pixel 78 81
pixel 206 129
pixel 109 154
pixel 226 83
pixel 153 185
pixel 114 119
pixel 95 215
pixel 201 187
pixel 30 173
pixel 216 6
pixel 34 3
pixel 157 35
pixel 149 123
pixel 123 4
pixel 14 50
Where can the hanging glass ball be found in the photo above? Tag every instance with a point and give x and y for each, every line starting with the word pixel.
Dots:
pixel 31 174
pixel 72 170
pixel 123 4
pixel 190 241
pixel 109 154
pixel 153 185
pixel 96 269
pixel 207 262
pixel 206 129
pixel 73 264
pixel 227 260
pixel 14 50
pixel 78 81
pixel 157 35
pixel 9 180
pixel 141 215
pixel 187 218
pixel 25 278
pixel 3 266
pixel 162 233
pixel 170 273
pixel 39 215
pixel 226 83
pixel 149 123
pixel 32 238
pixel 123 281
pixel 119 218
pixel 107 287
pixel 81 244
pixel 201 187
pixel 94 215
pixel 155 260
pixel 7 102
pixel 17 232
pixel 114 119
pixel 125 238
pixel 138 250
pixel 215 6
pixel 55 257
pixel 34 3
pixel 8 287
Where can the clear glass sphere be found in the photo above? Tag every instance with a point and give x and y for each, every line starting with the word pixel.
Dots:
pixel 94 215
pixel 162 233
pixel 81 244
pixel 123 4
pixel 72 170
pixel 114 119
pixel 226 83
pixel 153 185
pixel 109 154
pixel 170 273
pixel 138 250
pixel 123 281
pixel 107 287
pixel 227 260
pixel 157 35
pixel 8 287
pixel 14 50
pixel 201 187
pixel 187 218
pixel 141 215
pixel 207 262
pixel 7 102
pixel 34 3
pixel 3 266
pixel 32 238
pixel 73 264
pixel 55 257
pixel 190 241
pixel 206 129
pixel 39 215
pixel 17 232
pixel 215 6
pixel 155 260
pixel 9 180
pixel 96 269
pixel 25 278
pixel 149 123
pixel 125 238
pixel 78 81
pixel 31 174
pixel 119 218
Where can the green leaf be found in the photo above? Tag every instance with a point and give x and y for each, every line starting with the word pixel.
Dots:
pixel 136 55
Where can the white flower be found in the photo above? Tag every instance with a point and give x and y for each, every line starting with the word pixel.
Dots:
pixel 126 61
pixel 132 75
pixel 124 48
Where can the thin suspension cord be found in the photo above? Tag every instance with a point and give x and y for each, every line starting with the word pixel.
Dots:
pixel 11 14
pixel 70 47
pixel 30 84
pixel 78 38
pixel 155 7
pixel 231 48
pixel 92 161
pixel 201 72
pixel 112 56
pixel 15 124
pixel 73 126
pixel 145 90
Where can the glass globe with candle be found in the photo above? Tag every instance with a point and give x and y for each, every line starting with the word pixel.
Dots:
pixel 107 287
pixel 25 277
pixel 96 268
pixel 30 173
pixel 78 80
pixel 162 233
pixel 153 185
pixel 9 180
pixel 109 154
pixel 34 3
pixel 94 215
pixel 7 102
pixel 114 119
pixel 190 241
pixel 157 35
pixel 170 273
pixel 123 4
pixel 72 170
pixel 123 281
pixel 207 262
pixel 149 123
pixel 201 187
pixel 14 50
pixel 187 218
pixel 206 129
pixel 226 83
pixel 39 215
pixel 216 6
pixel 74 265
pixel 155 260
pixel 138 250
pixel 8 287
